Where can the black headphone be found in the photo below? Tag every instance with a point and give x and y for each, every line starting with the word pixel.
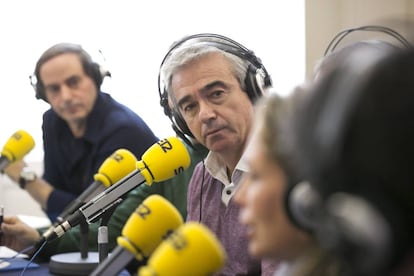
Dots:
pixel 91 68
pixel 367 28
pixel 255 70
pixel 348 203
pixel 300 196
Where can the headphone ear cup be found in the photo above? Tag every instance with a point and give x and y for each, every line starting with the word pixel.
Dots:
pixel 253 88
pixel 180 124
pixel 303 205
pixel 359 232
pixel 39 93
pixel 96 74
pixel 347 224
pixel 164 104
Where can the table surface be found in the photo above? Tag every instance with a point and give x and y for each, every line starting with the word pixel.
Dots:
pixel 41 270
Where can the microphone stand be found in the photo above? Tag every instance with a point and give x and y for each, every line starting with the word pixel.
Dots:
pixel 71 264
pixel 76 263
pixel 103 247
pixel 84 232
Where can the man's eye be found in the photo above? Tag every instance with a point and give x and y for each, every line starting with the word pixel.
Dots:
pixel 73 82
pixel 53 88
pixel 216 94
pixel 188 107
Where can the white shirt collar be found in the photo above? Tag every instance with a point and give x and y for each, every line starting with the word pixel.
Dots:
pixel 218 170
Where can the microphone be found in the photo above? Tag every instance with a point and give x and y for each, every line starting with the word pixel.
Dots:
pixel 116 166
pixel 153 221
pixel 18 145
pixel 163 160
pixel 191 250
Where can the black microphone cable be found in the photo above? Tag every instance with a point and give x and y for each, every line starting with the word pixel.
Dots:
pixel 201 189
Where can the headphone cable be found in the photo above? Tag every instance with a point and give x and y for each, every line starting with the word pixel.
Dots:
pixel 201 189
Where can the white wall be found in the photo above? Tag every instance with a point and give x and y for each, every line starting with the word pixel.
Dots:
pixel 134 36
pixel 325 18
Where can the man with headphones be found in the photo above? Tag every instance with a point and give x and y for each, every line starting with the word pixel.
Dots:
pixel 82 128
pixel 208 84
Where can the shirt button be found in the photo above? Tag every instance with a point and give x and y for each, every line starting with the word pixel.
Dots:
pixel 228 192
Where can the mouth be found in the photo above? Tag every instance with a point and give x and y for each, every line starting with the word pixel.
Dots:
pixel 213 132
pixel 73 108
pixel 249 229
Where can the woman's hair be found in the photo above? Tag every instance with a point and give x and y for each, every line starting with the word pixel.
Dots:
pixel 273 115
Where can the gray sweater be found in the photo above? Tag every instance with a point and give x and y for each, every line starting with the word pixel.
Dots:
pixel 223 221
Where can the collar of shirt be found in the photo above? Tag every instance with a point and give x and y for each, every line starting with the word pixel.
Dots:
pixel 218 170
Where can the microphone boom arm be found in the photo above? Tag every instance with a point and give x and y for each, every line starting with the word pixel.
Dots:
pixel 94 209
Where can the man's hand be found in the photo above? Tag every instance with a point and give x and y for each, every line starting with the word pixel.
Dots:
pixel 17 235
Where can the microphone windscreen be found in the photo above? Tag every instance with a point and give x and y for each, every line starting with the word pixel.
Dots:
pixel 18 145
pixel 118 165
pixel 174 156
pixel 191 250
pixel 153 220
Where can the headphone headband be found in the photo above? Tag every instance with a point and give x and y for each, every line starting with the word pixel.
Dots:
pixel 228 45
pixel 370 28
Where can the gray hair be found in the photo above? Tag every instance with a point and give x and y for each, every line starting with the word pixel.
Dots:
pixel 188 52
